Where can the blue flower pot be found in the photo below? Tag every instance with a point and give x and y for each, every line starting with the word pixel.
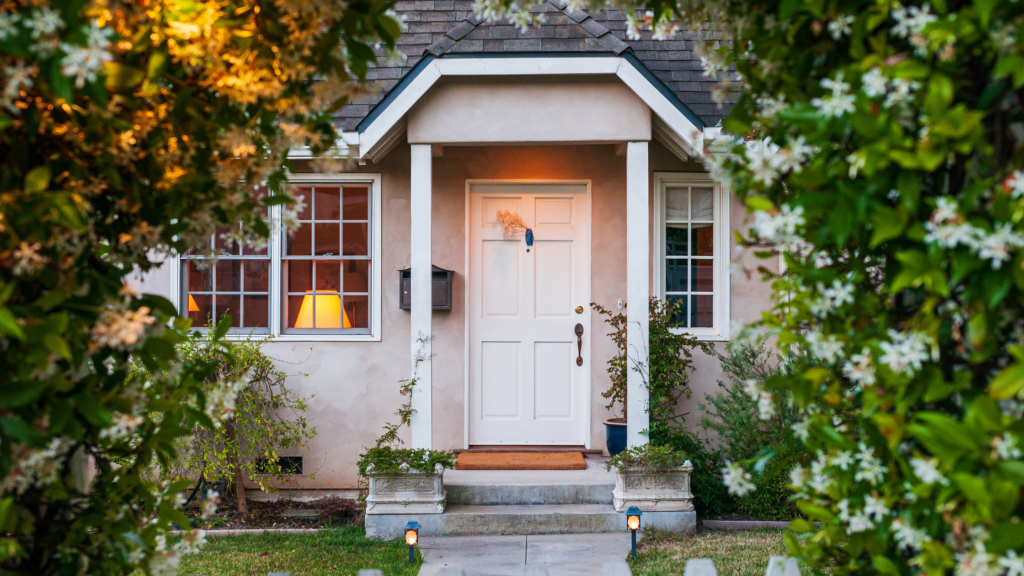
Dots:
pixel 615 435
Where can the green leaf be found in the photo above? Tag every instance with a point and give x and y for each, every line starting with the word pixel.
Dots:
pixel 54 343
pixel 888 224
pixel 984 9
pixel 1007 383
pixel 37 179
pixel 18 429
pixel 222 327
pixel 92 410
pixel 801 525
pixel 940 94
pixel 974 488
pixel 120 76
pixel 815 512
pixel 9 324
pixel 759 203
pixel 884 565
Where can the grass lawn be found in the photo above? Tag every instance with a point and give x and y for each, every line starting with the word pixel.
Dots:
pixel 740 553
pixel 340 552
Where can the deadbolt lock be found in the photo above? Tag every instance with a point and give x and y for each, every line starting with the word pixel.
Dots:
pixel 579 309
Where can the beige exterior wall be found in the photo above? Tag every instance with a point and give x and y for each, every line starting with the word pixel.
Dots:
pixel 356 383
pixel 555 109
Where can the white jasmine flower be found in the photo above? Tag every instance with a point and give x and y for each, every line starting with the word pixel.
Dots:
pixel 1014 184
pixel 238 142
pixel 875 508
pixel 210 503
pixel 820 480
pixel 770 107
pixel 902 92
pixel 927 471
pixel 1005 447
pixel 996 246
pixel 871 468
pixel 665 30
pixel 737 480
pixel 840 293
pixel 801 429
pixel 843 459
pixel 873 83
pixel 8 24
pixel 797 476
pixel 978 563
pixel 43 21
pixel 84 62
pixel 839 102
pixel 909 495
pixel 857 162
pixel 906 352
pixel 119 329
pixel 841 26
pixel 752 388
pixel 27 259
pixel 1013 564
pixel 778 227
pixel 123 426
pixel 951 235
pixel 37 467
pixel 859 369
pixel 910 21
pixel 825 348
pixel 766 406
pixel 907 536
pixel 764 161
pixel 859 522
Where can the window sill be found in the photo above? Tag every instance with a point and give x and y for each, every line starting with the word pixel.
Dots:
pixel 305 337
pixel 703 337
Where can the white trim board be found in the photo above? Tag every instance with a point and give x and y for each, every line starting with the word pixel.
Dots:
pixel 381 133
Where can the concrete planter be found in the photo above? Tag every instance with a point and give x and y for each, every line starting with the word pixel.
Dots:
pixel 654 491
pixel 406 493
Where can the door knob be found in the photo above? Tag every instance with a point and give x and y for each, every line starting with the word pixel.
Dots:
pixel 579 309
pixel 579 344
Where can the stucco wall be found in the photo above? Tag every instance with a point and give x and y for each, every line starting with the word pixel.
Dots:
pixel 494 110
pixel 356 384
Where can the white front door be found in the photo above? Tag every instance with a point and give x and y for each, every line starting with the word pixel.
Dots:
pixel 525 386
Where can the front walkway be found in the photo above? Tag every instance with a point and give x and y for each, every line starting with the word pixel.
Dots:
pixel 562 554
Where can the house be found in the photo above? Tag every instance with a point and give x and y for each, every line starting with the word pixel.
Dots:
pixel 594 140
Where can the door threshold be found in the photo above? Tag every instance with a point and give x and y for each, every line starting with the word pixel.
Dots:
pixel 528 448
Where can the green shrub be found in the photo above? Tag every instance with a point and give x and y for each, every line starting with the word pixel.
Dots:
pixel 710 497
pixel 390 460
pixel 772 498
pixel 647 457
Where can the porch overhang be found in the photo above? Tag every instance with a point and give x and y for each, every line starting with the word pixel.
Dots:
pixel 673 123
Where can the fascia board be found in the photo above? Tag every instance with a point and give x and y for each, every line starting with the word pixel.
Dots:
pixel 691 134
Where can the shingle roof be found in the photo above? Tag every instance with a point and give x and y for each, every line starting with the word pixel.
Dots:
pixel 449 27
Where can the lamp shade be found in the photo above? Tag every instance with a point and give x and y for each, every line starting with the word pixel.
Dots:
pixel 412 530
pixel 329 312
pixel 633 518
pixel 192 306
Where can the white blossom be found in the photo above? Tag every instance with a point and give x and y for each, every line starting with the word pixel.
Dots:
pixel 1005 447
pixel 84 62
pixel 42 22
pixel 121 329
pixel 906 352
pixel 907 536
pixel 1013 564
pixel 841 26
pixel 839 102
pixel 770 107
pixel 820 480
pixel 857 162
pixel 1014 184
pixel 766 406
pixel 801 429
pixel 798 476
pixel 27 259
pixel 825 348
pixel 997 245
pixel 123 426
pixel 902 92
pixel 859 369
pixel 927 471
pixel 752 389
pixel 737 480
pixel 910 21
pixel 779 227
pixel 976 563
pixel 36 467
pixel 843 459
pixel 210 503
pixel 874 83
pixel 871 468
pixel 8 24
pixel 875 508
pixel 764 162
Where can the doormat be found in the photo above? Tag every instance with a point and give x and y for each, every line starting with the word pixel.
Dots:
pixel 521 461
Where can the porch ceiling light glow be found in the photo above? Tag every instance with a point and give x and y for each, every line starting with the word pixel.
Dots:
pixel 412 537
pixel 329 312
pixel 633 523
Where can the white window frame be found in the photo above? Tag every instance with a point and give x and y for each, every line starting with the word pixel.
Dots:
pixel 276 243
pixel 719 331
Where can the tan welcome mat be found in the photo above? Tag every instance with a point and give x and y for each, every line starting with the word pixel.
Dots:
pixel 521 461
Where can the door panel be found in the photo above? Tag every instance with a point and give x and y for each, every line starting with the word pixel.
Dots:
pixel 524 384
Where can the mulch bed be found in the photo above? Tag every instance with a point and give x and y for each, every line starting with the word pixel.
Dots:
pixel 331 511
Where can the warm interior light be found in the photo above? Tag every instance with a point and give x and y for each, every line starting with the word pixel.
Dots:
pixel 192 306
pixel 410 537
pixel 633 522
pixel 329 313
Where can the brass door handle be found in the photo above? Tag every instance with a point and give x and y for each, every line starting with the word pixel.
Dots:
pixel 579 344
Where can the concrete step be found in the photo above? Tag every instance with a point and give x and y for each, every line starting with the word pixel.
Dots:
pixel 472 520
pixel 528 494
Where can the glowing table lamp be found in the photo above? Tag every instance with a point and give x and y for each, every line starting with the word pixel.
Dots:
pixel 192 306
pixel 329 313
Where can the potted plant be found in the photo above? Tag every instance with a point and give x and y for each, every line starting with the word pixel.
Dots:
pixel 652 478
pixel 405 480
pixel 615 427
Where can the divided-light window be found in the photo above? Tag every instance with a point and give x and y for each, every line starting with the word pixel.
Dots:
pixel 318 281
pixel 692 251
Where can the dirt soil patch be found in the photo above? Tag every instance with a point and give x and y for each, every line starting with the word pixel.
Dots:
pixel 330 512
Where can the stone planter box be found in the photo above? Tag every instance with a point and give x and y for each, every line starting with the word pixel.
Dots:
pixel 661 491
pixel 406 493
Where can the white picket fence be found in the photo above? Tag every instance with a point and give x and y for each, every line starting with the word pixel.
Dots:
pixel 777 566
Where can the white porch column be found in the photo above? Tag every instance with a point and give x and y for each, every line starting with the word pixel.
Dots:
pixel 420 304
pixel 637 290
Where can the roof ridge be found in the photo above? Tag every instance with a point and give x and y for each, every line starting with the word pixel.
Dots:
pixel 581 18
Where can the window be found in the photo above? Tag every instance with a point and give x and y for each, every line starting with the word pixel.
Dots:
pixel 320 282
pixel 692 250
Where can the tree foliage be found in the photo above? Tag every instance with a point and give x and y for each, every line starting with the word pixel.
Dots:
pixel 126 129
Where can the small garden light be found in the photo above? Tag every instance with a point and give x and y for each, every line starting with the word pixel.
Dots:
pixel 412 537
pixel 633 523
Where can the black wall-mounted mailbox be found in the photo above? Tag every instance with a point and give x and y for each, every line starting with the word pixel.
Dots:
pixel 441 284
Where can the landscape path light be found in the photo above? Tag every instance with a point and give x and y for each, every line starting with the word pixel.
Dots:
pixel 633 523
pixel 412 537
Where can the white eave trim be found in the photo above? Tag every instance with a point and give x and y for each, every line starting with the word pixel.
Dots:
pixel 347 142
pixel 386 128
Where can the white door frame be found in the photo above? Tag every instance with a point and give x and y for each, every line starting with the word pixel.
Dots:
pixel 587 286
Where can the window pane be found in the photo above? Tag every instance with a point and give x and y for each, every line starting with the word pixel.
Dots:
pixel 328 276
pixel 356 203
pixel 256 312
pixel 675 240
pixel 293 304
pixel 229 306
pixel 675 275
pixel 327 201
pixel 222 246
pixel 199 280
pixel 327 238
pixel 703 239
pixel 677 307
pixel 300 242
pixel 701 315
pixel 200 309
pixel 357 275
pixel 257 275
pixel 702 278
pixel 703 204
pixel 300 275
pixel 355 240
pixel 229 276
pixel 357 312
pixel 306 194
pixel 676 204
